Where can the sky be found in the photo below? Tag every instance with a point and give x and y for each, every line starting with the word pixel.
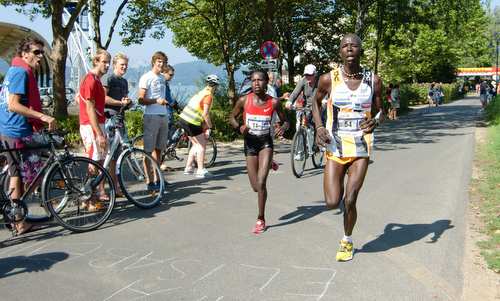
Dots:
pixel 138 54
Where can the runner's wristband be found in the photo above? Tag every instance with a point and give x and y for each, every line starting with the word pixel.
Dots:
pixel 318 127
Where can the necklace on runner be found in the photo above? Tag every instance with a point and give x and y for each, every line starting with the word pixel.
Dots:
pixel 351 75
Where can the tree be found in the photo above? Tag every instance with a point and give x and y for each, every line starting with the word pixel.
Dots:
pixel 217 31
pixel 95 8
pixel 60 34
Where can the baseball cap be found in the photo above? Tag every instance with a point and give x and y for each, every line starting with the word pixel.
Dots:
pixel 309 69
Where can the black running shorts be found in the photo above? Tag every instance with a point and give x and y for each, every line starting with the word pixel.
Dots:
pixel 190 129
pixel 254 144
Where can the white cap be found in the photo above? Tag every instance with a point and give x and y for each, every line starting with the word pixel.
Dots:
pixel 309 69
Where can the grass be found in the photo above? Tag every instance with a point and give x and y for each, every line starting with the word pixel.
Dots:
pixel 489 187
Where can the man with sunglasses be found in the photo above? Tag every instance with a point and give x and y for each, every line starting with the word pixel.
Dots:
pixel 21 116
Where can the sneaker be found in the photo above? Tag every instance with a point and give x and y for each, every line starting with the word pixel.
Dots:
pixel 155 187
pixel 274 165
pixel 260 226
pixel 204 173
pixel 298 157
pixel 345 251
pixel 188 171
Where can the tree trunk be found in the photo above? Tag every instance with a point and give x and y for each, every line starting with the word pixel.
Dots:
pixel 231 85
pixel 58 56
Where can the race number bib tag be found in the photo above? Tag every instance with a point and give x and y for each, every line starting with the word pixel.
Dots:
pixel 258 125
pixel 350 121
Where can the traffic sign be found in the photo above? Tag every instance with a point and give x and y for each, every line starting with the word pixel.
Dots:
pixel 269 50
pixel 271 65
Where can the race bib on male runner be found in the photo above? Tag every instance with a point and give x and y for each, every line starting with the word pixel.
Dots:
pixel 350 121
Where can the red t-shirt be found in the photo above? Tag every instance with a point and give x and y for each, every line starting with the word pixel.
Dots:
pixel 91 88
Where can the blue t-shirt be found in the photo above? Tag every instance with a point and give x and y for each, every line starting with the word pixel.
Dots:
pixel 170 100
pixel 13 124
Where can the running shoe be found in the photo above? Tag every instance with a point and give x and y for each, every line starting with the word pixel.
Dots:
pixel 203 173
pixel 260 226
pixel 299 156
pixel 154 187
pixel 345 251
pixel 188 171
pixel 274 165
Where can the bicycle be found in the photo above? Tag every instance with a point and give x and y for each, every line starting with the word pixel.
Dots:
pixel 179 142
pixel 303 144
pixel 66 184
pixel 130 169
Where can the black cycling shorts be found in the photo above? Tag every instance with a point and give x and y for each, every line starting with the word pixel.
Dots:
pixel 190 129
pixel 254 144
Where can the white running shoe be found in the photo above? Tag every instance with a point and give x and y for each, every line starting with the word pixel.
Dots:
pixel 188 171
pixel 203 173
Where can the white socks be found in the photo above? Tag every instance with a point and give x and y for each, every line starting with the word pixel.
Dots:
pixel 347 238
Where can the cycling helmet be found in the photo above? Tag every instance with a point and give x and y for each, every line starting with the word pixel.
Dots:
pixel 212 80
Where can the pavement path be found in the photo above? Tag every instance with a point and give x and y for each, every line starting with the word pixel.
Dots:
pixel 198 246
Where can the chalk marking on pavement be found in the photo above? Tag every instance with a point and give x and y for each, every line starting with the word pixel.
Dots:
pixel 131 266
pixel 202 298
pixel 152 293
pixel 23 248
pixel 122 289
pixel 277 271
pixel 109 252
pixel 172 265
pixel 327 283
pixel 40 248
pixel 210 273
pixel 220 298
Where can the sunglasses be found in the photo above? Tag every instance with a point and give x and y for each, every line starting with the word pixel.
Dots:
pixel 38 52
pixel 171 74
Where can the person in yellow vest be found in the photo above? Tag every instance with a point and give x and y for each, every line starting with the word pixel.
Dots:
pixel 354 93
pixel 196 122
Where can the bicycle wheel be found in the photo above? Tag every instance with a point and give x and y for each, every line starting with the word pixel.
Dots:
pixel 318 157
pixel 298 154
pixel 210 151
pixel 133 180
pixel 70 193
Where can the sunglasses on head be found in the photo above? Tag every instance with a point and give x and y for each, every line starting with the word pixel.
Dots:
pixel 38 51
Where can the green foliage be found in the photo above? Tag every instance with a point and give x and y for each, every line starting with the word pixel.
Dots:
pixel 134 123
pixel 71 125
pixel 489 183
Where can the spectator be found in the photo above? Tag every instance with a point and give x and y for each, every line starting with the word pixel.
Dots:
pixel 152 92
pixel 92 101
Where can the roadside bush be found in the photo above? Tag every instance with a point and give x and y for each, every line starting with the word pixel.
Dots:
pixel 134 123
pixel 71 124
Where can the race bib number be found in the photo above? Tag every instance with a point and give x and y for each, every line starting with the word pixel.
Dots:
pixel 350 121
pixel 258 125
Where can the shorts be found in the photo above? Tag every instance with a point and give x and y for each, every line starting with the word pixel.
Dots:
pixel 254 144
pixel 395 105
pixel 483 98
pixel 92 148
pixel 190 129
pixel 26 163
pixel 155 132
pixel 341 160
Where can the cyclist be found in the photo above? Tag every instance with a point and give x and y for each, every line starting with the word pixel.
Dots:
pixel 168 72
pixel 195 120
pixel 21 116
pixel 116 87
pixel 258 109
pixel 92 101
pixel 152 95
pixel 307 87
pixel 348 132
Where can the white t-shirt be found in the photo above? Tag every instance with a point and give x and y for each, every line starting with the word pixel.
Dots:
pixel 155 88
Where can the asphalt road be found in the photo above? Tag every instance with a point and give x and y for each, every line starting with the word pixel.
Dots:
pixel 199 246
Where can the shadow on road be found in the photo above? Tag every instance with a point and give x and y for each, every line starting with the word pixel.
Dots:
pixel 11 266
pixel 302 213
pixel 396 235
